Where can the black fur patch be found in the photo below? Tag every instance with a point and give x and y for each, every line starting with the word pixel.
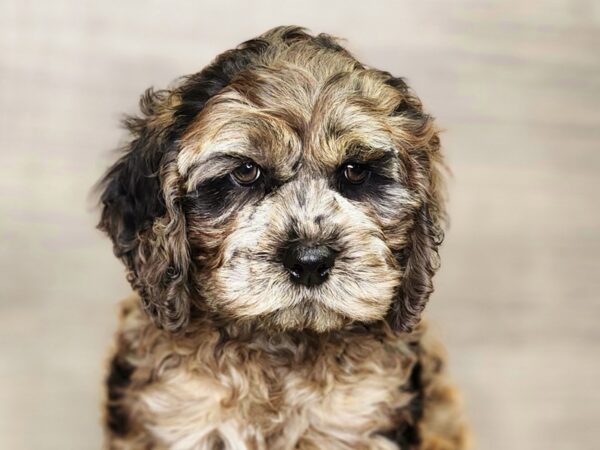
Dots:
pixel 373 188
pixel 407 434
pixel 409 107
pixel 117 382
pixel 200 87
pixel 397 82
pixel 131 197
pixel 214 197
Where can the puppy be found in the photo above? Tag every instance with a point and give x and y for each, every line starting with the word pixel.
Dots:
pixel 279 215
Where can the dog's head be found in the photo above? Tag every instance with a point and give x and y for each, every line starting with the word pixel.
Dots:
pixel 285 184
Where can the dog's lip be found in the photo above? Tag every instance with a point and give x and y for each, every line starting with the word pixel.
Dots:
pixel 313 297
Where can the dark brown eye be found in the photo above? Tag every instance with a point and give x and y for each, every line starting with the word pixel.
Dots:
pixel 356 173
pixel 246 174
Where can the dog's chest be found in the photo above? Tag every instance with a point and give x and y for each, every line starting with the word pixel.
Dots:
pixel 332 402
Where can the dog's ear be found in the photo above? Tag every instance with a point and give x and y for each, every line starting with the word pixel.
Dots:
pixel 141 196
pixel 141 213
pixel 419 259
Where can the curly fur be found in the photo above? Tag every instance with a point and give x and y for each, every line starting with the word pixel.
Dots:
pixel 228 353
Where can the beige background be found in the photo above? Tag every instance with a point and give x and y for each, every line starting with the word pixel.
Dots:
pixel 516 86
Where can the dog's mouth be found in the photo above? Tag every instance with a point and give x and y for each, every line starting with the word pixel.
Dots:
pixel 309 314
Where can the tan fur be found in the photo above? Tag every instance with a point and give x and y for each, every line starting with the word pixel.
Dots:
pixel 258 391
pixel 221 349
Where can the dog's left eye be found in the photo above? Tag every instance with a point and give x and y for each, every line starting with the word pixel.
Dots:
pixel 246 174
pixel 356 173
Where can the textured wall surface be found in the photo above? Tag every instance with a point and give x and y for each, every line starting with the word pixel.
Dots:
pixel 516 86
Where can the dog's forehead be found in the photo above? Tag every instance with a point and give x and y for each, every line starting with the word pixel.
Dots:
pixel 283 115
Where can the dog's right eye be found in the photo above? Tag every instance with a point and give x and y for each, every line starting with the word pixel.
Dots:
pixel 246 174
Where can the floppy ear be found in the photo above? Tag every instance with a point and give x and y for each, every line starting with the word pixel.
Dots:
pixel 419 259
pixel 141 198
pixel 141 213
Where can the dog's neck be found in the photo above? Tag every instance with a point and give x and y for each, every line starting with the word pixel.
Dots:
pixel 291 345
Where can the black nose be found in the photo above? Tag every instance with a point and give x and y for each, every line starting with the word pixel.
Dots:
pixel 308 265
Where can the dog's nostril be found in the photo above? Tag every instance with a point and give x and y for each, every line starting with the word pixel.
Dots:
pixel 308 265
pixel 324 270
pixel 296 271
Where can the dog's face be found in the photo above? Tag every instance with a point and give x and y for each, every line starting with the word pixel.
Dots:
pixel 285 185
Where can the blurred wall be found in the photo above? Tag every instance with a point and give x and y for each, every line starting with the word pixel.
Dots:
pixel 515 85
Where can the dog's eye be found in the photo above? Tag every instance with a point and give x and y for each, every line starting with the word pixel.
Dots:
pixel 246 174
pixel 356 173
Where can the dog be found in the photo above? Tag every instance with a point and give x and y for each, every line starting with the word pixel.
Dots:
pixel 279 215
